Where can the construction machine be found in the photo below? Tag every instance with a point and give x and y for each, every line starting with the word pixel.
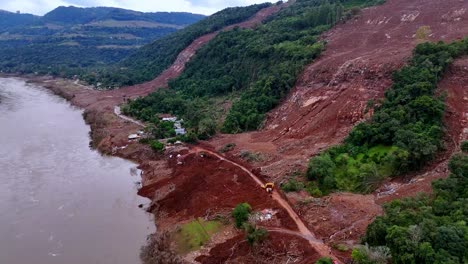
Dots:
pixel 269 187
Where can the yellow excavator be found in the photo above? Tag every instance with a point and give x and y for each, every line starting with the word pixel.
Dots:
pixel 268 187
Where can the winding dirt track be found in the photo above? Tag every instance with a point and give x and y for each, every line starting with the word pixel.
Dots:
pixel 304 232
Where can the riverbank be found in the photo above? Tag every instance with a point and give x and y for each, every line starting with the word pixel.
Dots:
pixel 188 183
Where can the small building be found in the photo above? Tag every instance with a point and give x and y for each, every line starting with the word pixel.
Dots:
pixel 180 131
pixel 177 124
pixel 167 117
pixel 133 137
pixel 170 119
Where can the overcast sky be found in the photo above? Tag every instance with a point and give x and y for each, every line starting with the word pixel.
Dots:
pixel 40 7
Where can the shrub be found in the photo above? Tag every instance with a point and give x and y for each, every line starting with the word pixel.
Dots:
pixel 370 255
pixel 228 147
pixel 156 146
pixel 464 146
pixel 255 235
pixel 241 214
pixel 313 189
pixel 250 156
pixel 320 167
pixel 340 247
pixel 292 185
pixel 324 260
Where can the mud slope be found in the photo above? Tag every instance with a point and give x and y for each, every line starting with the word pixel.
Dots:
pixel 332 93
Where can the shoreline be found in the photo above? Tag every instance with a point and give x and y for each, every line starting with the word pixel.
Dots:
pixel 109 136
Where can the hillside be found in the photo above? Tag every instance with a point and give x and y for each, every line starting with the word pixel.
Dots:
pixel 354 103
pixel 68 39
pixel 152 59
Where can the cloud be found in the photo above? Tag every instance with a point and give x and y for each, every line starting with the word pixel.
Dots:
pixel 40 7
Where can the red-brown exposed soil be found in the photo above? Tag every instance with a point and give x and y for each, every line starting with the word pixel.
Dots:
pixel 204 184
pixel 331 95
pixel 279 248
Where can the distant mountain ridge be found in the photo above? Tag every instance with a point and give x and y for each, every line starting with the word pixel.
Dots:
pixel 77 15
pixel 72 15
pixel 74 38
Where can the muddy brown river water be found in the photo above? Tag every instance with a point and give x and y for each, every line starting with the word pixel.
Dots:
pixel 60 201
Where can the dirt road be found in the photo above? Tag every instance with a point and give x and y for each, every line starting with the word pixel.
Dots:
pixel 118 113
pixel 304 232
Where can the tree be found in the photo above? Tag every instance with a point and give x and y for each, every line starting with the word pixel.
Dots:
pixel 320 168
pixel 364 254
pixel 255 235
pixel 156 146
pixel 241 214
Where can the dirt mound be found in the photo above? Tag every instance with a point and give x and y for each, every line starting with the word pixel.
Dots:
pixel 332 93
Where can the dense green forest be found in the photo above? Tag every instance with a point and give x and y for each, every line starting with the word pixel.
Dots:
pixel 72 41
pixel 153 59
pixel 252 68
pixel 426 229
pixel 404 133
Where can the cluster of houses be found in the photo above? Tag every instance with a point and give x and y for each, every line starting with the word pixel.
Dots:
pixel 179 130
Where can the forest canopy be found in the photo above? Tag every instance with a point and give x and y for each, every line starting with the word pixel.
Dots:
pixel 427 229
pixel 249 70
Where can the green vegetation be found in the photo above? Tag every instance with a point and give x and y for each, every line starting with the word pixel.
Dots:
pixel 464 146
pixel 72 41
pixel 427 229
pixel 404 133
pixel 255 235
pixel 324 260
pixel 193 235
pixel 292 185
pixel 340 247
pixel 153 59
pixel 228 147
pixel 364 254
pixel 251 68
pixel 241 214
pixel 156 146
pixel 251 156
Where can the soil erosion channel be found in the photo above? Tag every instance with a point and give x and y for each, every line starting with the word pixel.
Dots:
pixel 60 201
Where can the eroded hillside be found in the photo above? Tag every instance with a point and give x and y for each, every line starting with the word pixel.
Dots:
pixel 329 98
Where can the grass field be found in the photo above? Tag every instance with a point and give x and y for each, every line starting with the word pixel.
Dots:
pixel 193 235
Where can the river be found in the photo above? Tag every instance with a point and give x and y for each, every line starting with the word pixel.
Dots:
pixel 60 201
